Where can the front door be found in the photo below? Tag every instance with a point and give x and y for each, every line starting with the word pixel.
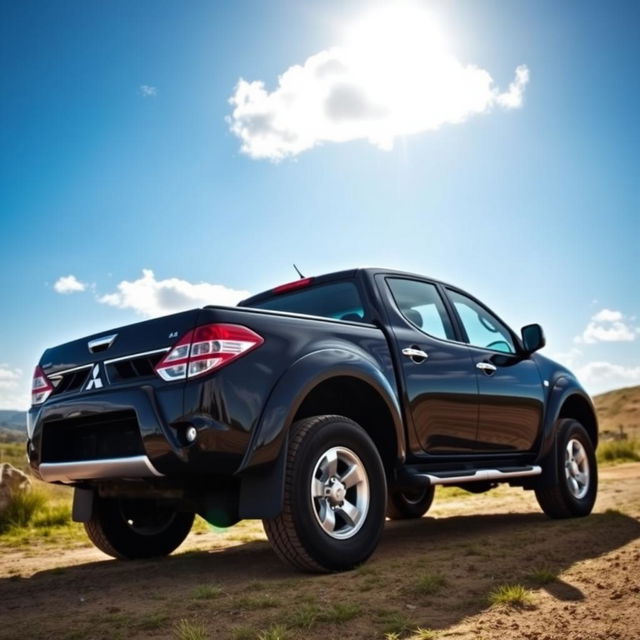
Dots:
pixel 440 388
pixel 511 398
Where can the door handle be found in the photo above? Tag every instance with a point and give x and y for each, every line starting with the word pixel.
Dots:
pixel 487 367
pixel 414 352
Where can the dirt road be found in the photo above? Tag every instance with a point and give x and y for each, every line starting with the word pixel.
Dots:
pixel 433 573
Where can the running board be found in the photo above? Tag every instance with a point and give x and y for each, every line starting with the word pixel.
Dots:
pixel 476 475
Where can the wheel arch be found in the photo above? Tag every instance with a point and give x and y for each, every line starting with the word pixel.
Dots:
pixel 576 406
pixel 323 382
pixel 357 399
pixel 567 399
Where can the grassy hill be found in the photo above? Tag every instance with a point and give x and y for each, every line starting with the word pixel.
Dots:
pixel 619 409
pixel 13 426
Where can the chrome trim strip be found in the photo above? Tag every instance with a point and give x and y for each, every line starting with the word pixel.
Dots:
pixel 137 355
pixel 104 341
pixel 65 371
pixel 132 467
pixel 483 474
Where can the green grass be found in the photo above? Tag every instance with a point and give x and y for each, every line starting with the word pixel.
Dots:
pixel 243 632
pixel 543 575
pixel 423 634
pixel 619 451
pixel 186 630
pixel 14 454
pixel 303 617
pixel 429 584
pixel 511 595
pixel 152 621
pixel 207 592
pixel 258 602
pixel 275 632
pixel 41 515
pixel 21 509
pixel 393 623
pixel 341 612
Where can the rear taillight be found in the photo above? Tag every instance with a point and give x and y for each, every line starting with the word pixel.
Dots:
pixel 41 388
pixel 205 349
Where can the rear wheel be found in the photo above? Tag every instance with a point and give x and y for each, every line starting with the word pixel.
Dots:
pixel 574 493
pixel 335 497
pixel 412 503
pixel 129 529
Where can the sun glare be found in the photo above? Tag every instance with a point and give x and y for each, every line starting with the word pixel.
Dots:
pixel 391 73
pixel 401 30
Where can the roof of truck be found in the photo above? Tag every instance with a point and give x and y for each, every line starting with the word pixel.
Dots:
pixel 327 277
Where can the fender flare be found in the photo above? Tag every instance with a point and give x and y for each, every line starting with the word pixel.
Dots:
pixel 263 466
pixel 562 389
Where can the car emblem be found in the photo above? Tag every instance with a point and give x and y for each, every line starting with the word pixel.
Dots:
pixel 95 382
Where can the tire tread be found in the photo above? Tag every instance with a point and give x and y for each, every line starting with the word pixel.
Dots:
pixel 281 530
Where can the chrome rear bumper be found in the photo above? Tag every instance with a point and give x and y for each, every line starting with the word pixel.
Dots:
pixel 132 467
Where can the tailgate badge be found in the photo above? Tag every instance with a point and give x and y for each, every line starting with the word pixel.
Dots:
pixel 95 382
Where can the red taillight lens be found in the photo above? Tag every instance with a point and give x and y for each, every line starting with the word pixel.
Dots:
pixel 206 348
pixel 41 388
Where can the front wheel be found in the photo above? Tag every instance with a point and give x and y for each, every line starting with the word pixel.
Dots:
pixel 130 529
pixel 335 497
pixel 574 493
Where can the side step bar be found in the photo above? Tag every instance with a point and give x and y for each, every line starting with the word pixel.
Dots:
pixel 475 475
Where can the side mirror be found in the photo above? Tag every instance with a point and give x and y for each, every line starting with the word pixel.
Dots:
pixel 532 337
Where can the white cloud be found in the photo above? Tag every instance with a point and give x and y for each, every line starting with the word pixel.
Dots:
pixel 69 284
pixel 394 77
pixel 13 391
pixel 148 91
pixel 608 375
pixel 569 358
pixel 607 326
pixel 150 297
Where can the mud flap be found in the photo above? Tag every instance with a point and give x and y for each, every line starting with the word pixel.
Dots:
pixel 82 505
pixel 262 492
pixel 549 464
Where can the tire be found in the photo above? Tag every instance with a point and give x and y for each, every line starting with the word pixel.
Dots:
pixel 404 505
pixel 326 525
pixel 574 494
pixel 130 529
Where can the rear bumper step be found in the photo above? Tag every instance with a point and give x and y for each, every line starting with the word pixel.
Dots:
pixel 476 475
pixel 131 467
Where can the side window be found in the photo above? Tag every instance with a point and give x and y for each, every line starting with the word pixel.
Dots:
pixel 421 304
pixel 483 329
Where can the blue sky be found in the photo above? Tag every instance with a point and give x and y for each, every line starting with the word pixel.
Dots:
pixel 117 156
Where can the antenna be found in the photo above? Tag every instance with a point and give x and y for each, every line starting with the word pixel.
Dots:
pixel 298 271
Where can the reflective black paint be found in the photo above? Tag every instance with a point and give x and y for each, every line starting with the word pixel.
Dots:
pixel 442 409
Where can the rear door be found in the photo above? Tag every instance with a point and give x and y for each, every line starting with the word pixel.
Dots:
pixel 510 389
pixel 439 382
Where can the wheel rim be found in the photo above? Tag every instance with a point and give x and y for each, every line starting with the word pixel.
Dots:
pixel 146 519
pixel 340 493
pixel 576 468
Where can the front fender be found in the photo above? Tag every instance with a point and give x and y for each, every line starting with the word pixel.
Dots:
pixel 562 388
pixel 294 386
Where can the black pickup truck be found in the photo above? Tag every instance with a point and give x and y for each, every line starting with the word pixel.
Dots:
pixel 321 406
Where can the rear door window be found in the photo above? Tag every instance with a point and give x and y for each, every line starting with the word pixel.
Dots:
pixel 421 304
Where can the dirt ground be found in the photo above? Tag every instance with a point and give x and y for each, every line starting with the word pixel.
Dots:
pixel 435 573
